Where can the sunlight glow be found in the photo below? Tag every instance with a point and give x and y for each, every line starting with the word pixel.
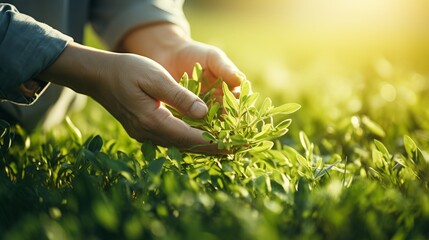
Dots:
pixel 353 14
pixel 388 92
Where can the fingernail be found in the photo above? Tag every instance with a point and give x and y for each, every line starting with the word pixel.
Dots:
pixel 198 109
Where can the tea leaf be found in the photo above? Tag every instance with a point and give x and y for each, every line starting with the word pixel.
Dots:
pixel 95 144
pixel 284 124
pixel 265 107
pixel 410 145
pixel 373 127
pixel 229 101
pixel 193 122
pixel 209 137
pixel 149 150
pixel 382 148
pixel 287 108
pixel 245 90
pixel 197 72
pixel 238 125
pixel 306 144
pixel 194 86
pixel 155 166
pixel 262 146
pixel 184 80
pixel 75 132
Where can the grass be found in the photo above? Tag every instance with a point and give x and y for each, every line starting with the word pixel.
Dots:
pixel 354 164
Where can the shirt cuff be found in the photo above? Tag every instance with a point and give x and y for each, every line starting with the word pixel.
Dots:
pixel 27 47
pixel 141 13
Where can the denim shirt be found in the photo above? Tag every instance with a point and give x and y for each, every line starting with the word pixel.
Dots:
pixel 28 46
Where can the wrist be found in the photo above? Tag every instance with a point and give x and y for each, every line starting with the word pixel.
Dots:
pixel 79 68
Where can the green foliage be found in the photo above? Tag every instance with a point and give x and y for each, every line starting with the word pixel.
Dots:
pixel 356 179
pixel 236 125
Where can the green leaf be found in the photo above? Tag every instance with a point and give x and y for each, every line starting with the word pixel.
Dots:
pixel 5 139
pixel 284 124
pixel 73 130
pixel 184 80
pixel 193 122
pixel 279 156
pixel 377 158
pixel 197 72
pixel 410 145
pixel 231 120
pixel 303 162
pixel 321 172
pixel 382 148
pixel 106 163
pixel 4 127
pixel 265 107
pixel 373 127
pixel 194 86
pixel 262 146
pixel 149 150
pixel 127 176
pixel 229 100
pixel 174 153
pixel 213 112
pixel 95 144
pixel 245 91
pixel 306 144
pixel 278 133
pixel 287 108
pixel 209 137
pixel 251 100
pixel 155 166
pixel 263 133
pixel 238 140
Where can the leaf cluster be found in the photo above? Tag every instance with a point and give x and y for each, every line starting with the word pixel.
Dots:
pixel 358 177
pixel 236 124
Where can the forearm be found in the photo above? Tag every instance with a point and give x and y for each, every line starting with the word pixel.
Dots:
pixel 79 67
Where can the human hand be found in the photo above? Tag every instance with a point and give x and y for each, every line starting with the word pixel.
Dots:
pixel 131 88
pixel 173 49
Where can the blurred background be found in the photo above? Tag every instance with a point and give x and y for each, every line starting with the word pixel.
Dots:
pixel 339 59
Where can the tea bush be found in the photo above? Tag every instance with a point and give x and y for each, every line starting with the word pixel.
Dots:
pixel 357 181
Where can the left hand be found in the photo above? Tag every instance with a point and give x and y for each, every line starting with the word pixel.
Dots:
pixel 168 45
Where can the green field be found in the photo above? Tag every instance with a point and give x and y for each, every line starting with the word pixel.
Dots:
pixel 354 164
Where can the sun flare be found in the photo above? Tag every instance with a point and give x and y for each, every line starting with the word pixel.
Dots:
pixel 352 15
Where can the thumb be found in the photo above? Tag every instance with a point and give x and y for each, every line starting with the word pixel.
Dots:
pixel 178 97
pixel 195 107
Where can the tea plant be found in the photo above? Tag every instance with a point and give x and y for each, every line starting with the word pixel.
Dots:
pixel 236 125
pixel 347 182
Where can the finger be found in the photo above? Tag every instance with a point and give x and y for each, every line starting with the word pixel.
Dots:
pixel 170 92
pixel 220 65
pixel 196 147
pixel 166 130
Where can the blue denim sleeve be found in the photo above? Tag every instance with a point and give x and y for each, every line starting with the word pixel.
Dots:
pixel 112 19
pixel 27 47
